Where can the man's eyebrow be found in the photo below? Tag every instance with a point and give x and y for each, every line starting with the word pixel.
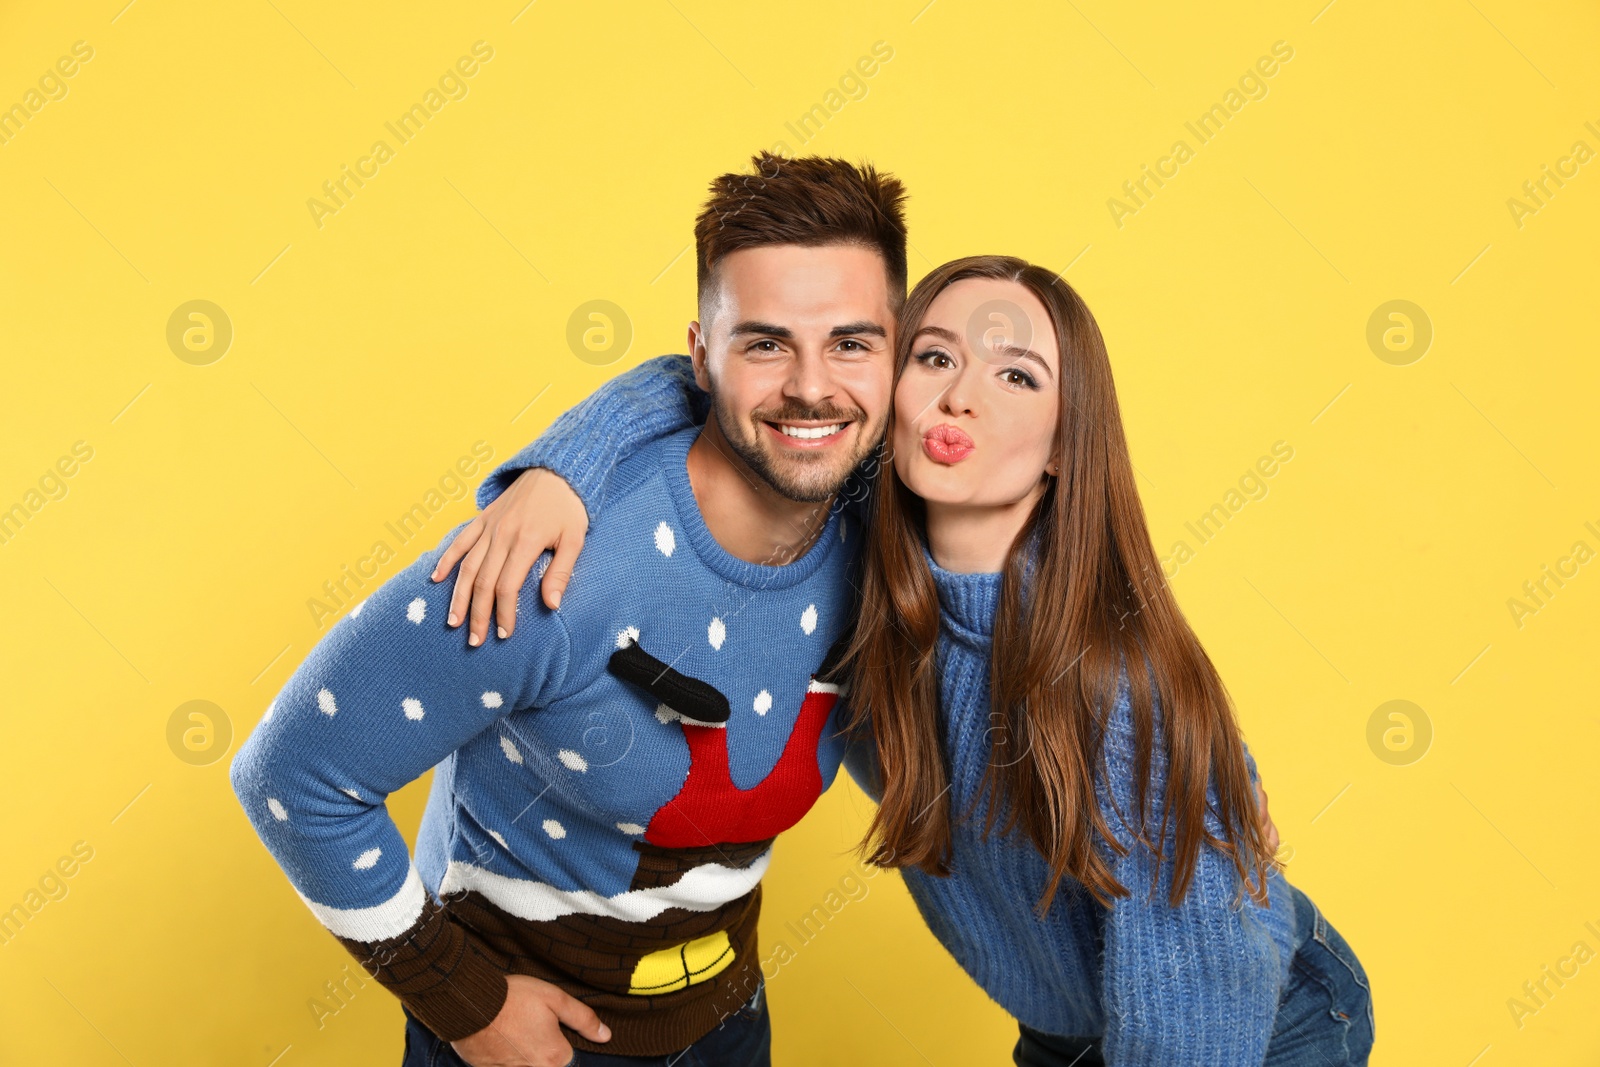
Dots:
pixel 1013 351
pixel 766 328
pixel 851 328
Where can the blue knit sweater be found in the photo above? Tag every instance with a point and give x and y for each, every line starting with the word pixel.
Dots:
pixel 608 779
pixel 1198 984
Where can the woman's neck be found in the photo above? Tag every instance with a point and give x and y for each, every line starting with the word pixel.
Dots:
pixel 974 539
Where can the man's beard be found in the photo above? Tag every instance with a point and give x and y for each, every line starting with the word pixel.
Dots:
pixel 812 481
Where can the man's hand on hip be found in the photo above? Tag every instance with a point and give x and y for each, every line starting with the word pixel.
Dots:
pixel 527 1032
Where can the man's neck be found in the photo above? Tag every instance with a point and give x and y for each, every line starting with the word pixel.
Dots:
pixel 750 520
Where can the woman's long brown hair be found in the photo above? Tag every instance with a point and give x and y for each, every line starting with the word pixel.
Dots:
pixel 1098 604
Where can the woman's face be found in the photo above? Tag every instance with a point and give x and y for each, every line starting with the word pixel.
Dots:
pixel 977 405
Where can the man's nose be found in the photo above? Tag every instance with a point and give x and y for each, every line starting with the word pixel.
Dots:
pixel 811 381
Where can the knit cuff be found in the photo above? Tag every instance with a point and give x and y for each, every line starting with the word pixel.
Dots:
pixel 441 973
pixel 588 440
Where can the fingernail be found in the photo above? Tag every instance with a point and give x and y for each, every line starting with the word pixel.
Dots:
pixel 474 640
pixel 557 599
pixel 454 619
pixel 605 1032
pixel 502 632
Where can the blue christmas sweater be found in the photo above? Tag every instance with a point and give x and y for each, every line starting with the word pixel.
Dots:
pixel 608 780
pixel 1161 986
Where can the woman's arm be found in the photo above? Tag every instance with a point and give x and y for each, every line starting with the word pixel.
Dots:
pixel 860 761
pixel 542 497
pixel 644 403
pixel 1192 985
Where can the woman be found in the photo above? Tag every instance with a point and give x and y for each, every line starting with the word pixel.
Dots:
pixel 1080 835
pixel 1009 580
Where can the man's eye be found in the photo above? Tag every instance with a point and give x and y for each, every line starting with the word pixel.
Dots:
pixel 766 345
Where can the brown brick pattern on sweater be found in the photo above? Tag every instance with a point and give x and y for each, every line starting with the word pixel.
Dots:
pixel 449 969
pixel 593 957
pixel 448 980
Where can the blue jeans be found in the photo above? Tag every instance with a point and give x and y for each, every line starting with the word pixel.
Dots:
pixel 743 1040
pixel 1324 1016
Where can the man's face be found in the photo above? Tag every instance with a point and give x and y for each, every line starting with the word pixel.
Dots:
pixel 797 353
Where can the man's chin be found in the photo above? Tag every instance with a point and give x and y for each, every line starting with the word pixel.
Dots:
pixel 808 476
pixel 804 485
pixel 796 479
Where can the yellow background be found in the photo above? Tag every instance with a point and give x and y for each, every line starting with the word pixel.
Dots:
pixel 431 312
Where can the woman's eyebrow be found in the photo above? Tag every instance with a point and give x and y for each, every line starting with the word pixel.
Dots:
pixel 1012 351
pixel 940 332
pixel 1026 353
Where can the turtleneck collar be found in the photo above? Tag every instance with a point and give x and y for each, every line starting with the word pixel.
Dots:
pixel 968 601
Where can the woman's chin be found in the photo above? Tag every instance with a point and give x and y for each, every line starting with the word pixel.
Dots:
pixel 937 483
pixel 966 486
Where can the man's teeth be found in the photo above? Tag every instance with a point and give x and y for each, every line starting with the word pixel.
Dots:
pixel 809 432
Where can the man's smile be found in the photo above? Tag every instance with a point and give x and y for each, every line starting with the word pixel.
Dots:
pixel 810 436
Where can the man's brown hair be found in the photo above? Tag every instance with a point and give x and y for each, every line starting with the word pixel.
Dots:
pixel 809 201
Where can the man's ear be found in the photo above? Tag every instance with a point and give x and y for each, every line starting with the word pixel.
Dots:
pixel 697 356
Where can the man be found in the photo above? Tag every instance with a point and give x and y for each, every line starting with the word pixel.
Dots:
pixel 610 777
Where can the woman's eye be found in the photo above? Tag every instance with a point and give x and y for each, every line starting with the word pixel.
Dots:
pixel 931 356
pixel 1020 377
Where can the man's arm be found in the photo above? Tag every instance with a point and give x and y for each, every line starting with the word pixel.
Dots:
pixel 543 496
pixel 387 694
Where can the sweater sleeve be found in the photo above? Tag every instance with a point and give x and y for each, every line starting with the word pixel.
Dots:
pixel 1192 985
pixel 657 398
pixel 645 403
pixel 860 760
pixel 388 693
